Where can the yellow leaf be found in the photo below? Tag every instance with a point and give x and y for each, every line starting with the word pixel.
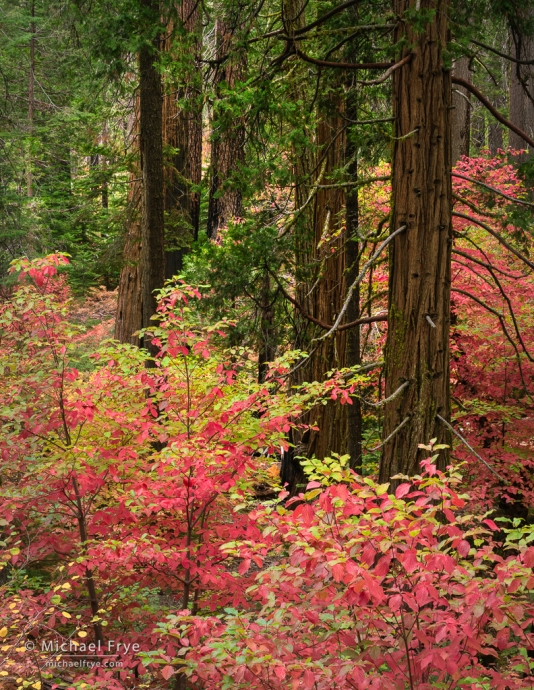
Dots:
pixel 82 633
pixel 37 685
pixel 67 615
pixel 66 585
pixel 4 673
pixel 3 632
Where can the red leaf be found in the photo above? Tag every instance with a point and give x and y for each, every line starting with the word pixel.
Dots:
pixel 491 525
pixel 304 513
pixel 402 490
pixel 463 548
pixel 280 672
pixel 309 679
pixel 245 565
pixel 167 672
pixel 528 557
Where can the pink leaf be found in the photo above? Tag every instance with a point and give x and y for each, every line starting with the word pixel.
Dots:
pixel 463 548
pixel 167 672
pixel 245 565
pixel 309 679
pixel 280 672
pixel 528 557
pixel 402 490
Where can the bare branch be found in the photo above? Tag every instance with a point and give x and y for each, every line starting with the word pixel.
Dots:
pixel 385 401
pixel 318 322
pixel 396 430
pixel 493 189
pixel 503 55
pixel 495 234
pixel 359 279
pixel 462 439
pixel 386 74
pixel 496 114
pixel 342 65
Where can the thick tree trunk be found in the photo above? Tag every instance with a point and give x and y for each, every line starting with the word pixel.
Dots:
pixel 182 134
pixel 522 92
pixel 320 259
pixel 31 99
pixel 352 256
pixel 417 350
pixel 151 149
pixel 227 138
pixel 129 302
pixel 461 118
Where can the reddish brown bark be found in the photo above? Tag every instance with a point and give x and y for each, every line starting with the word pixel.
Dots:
pixel 461 117
pixel 151 156
pixel 181 131
pixel 228 136
pixel 417 350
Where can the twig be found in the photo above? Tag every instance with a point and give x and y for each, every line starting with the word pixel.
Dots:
pixel 388 73
pixel 503 55
pixel 396 430
pixel 391 397
pixel 356 183
pixel 493 189
pixel 359 280
pixel 342 65
pixel 496 114
pixel 462 439
pixel 496 235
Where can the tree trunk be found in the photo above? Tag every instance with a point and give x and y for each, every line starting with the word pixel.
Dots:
pixel 320 257
pixel 267 348
pixel 417 349
pixel 182 134
pixel 228 136
pixel 181 131
pixel 151 150
pixel 129 302
pixel 461 117
pixel 31 100
pixel 352 259
pixel 522 92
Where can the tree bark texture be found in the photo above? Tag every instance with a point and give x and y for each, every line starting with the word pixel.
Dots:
pixel 320 258
pixel 461 118
pixel 129 303
pixel 352 260
pixel 182 136
pixel 151 150
pixel 228 134
pixel 417 349
pixel 182 167
pixel 522 91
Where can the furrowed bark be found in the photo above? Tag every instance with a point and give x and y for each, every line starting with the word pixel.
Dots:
pixel 417 350
pixel 461 118
pixel 151 149
pixel 228 137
